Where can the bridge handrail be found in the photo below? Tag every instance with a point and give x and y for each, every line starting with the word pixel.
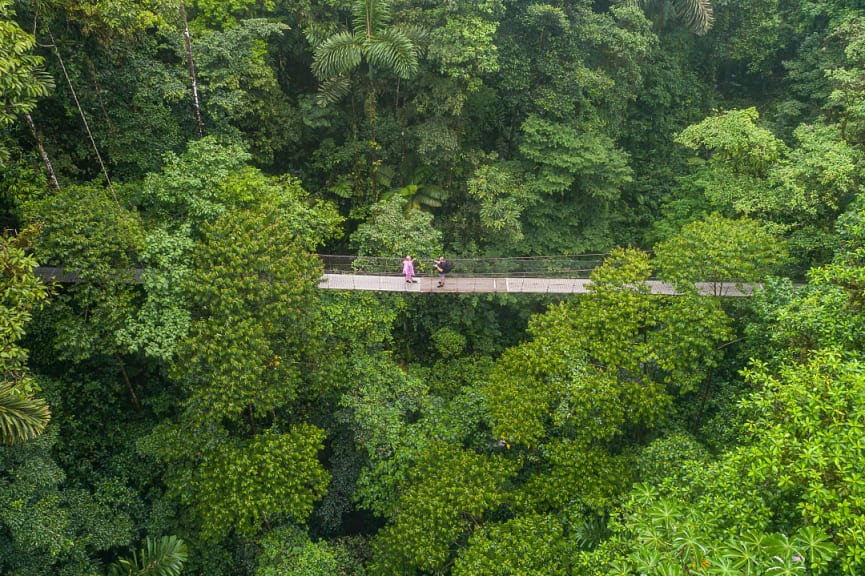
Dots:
pixel 577 266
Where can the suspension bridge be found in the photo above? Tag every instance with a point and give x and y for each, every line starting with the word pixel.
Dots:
pixel 516 275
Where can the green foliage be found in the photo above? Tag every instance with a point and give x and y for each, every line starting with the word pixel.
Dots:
pixel 122 20
pixel 697 15
pixel 241 95
pixel 390 232
pixel 503 194
pixel 23 81
pixel 666 538
pixel 50 526
pixel 380 407
pixel 252 295
pixel 448 493
pixel 221 14
pixel 163 557
pixel 805 423
pixel 191 186
pixel 241 485
pixel 22 417
pixel 372 39
pixel 290 552
pixel 566 156
pixel 847 97
pixel 252 292
pixel 599 364
pixel 20 292
pixel 84 230
pixel 720 249
pixel 531 545
pixel 733 138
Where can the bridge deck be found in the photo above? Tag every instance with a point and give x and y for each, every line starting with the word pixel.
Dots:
pixel 456 284
pixel 511 285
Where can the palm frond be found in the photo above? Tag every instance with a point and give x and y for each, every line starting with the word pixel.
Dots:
pixel 697 14
pixel 163 557
pixel 392 50
pixel 418 35
pixel 370 16
pixel 337 55
pixel 21 417
pixel 333 90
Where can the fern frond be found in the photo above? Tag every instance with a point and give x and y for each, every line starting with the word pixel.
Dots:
pixel 391 49
pixel 337 55
pixel 21 417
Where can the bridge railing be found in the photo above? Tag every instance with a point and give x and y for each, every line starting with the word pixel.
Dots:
pixel 578 266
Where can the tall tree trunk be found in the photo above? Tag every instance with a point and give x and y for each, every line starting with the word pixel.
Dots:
pixel 83 117
pixel 187 39
pixel 373 144
pixel 52 177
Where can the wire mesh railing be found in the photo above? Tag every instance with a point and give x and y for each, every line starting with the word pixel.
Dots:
pixel 577 266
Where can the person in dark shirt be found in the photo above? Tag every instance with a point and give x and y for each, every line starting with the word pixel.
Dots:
pixel 443 267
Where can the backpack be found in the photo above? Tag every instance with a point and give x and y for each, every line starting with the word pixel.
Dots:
pixel 446 266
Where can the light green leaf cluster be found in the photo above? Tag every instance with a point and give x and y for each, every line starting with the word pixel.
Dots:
pixel 390 232
pixel 239 485
pixel 734 138
pixel 22 79
pixel 576 474
pixel 603 362
pixel 719 249
pixel 449 492
pixel 667 538
pixel 807 426
pixel 529 545
pixel 290 552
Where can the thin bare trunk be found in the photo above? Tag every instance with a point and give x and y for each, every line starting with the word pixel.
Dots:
pixel 252 421
pixel 83 117
pixel 188 41
pixel 373 144
pixel 52 177
pixel 129 386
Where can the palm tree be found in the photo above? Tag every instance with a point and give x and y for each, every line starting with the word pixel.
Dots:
pixel 371 40
pixel 164 557
pixel 21 417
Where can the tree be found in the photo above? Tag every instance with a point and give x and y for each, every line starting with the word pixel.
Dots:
pixel 382 46
pixel 23 416
pixel 239 460
pixel 371 39
pixel 390 232
pixel 23 81
pixel 718 249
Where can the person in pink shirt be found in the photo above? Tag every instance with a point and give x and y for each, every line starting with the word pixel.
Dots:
pixel 408 269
